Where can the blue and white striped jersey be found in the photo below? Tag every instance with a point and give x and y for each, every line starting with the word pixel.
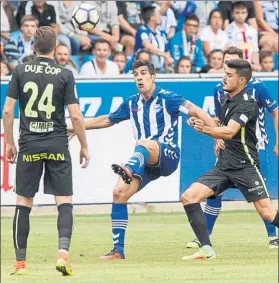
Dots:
pixel 154 119
pixel 259 92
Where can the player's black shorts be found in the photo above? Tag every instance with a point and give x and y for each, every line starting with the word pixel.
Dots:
pixel 52 157
pixel 248 180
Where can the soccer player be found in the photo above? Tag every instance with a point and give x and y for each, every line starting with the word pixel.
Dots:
pixel 258 91
pixel 238 162
pixel 154 117
pixel 43 88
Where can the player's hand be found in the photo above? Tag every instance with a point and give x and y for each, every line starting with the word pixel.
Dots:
pixel 84 157
pixel 198 125
pixel 191 121
pixel 11 153
pixel 276 150
pixel 71 132
pixel 218 145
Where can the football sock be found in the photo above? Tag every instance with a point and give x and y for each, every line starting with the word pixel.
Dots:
pixel 270 228
pixel 21 227
pixel 197 221
pixel 275 222
pixel 212 210
pixel 65 225
pixel 138 160
pixel 119 221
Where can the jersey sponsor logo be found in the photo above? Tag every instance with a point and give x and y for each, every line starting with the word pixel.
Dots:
pixel 243 118
pixel 41 127
pixel 43 156
pixel 135 109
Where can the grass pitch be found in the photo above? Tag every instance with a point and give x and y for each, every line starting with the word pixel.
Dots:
pixel 154 247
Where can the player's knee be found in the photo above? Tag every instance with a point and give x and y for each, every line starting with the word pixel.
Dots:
pixel 144 143
pixel 120 193
pixel 186 198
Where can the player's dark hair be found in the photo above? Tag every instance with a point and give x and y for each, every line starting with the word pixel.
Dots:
pixel 192 17
pixel 183 58
pixel 45 40
pixel 239 5
pixel 29 19
pixel 265 54
pixel 28 58
pixel 147 14
pixel 242 67
pixel 150 66
pixel 233 50
pixel 101 41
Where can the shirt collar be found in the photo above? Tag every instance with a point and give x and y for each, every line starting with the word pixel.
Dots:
pixel 237 96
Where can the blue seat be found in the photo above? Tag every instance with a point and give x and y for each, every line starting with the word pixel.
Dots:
pixel 87 58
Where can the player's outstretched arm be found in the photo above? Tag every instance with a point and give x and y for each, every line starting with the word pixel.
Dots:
pixel 194 111
pixel 98 123
pixel 226 132
pixel 8 119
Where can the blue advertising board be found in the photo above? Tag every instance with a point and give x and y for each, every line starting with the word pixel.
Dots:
pixel 98 97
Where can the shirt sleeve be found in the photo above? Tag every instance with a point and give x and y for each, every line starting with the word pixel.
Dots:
pixel 70 95
pixel 13 87
pixel 265 99
pixel 53 15
pixel 173 102
pixel 121 114
pixel 245 112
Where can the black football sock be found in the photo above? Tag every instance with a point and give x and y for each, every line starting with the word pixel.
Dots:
pixel 65 225
pixel 21 227
pixel 275 222
pixel 197 220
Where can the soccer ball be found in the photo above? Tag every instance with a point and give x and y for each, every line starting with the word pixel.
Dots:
pixel 85 17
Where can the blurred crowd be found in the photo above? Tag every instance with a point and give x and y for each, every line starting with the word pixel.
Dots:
pixel 176 36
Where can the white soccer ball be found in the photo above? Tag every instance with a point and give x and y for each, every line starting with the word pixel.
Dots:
pixel 85 17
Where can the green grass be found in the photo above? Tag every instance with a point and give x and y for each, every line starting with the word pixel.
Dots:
pixel 155 245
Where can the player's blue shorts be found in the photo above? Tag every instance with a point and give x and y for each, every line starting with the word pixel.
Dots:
pixel 168 163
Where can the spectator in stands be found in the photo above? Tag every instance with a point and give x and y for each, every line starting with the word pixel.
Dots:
pixel 212 36
pixel 23 43
pixel 187 43
pixel 267 62
pixel 267 19
pixel 150 37
pixel 244 36
pixel 100 65
pixel 5 69
pixel 143 55
pixel 74 38
pixel 129 16
pixel 168 20
pixel 8 21
pixel 120 58
pixel 226 8
pixel 45 13
pixel 62 57
pixel 215 62
pixel 108 26
pixel 184 65
pixel 29 58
